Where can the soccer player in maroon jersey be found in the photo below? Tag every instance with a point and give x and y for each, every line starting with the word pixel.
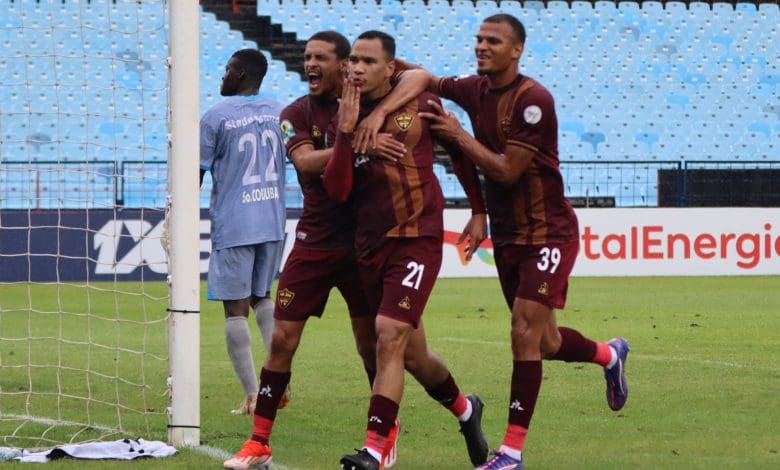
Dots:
pixel 399 216
pixel 534 228
pixel 323 255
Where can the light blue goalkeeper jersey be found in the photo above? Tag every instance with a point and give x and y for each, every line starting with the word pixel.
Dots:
pixel 241 145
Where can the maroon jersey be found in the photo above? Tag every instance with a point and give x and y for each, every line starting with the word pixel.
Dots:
pixel 395 199
pixel 324 223
pixel 532 211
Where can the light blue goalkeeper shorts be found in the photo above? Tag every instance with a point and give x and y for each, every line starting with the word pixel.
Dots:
pixel 238 271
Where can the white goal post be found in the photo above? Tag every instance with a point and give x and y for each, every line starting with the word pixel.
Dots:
pixel 184 218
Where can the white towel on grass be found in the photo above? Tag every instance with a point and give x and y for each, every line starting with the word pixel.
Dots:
pixel 125 449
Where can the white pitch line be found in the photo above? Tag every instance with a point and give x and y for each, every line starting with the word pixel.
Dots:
pixel 651 357
pixel 213 452
pixel 221 454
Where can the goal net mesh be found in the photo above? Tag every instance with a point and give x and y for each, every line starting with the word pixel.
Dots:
pixel 83 152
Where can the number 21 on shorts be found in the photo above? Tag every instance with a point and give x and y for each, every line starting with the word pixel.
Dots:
pixel 415 275
pixel 550 258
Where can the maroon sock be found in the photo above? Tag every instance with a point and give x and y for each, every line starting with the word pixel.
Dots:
pixel 272 387
pixel 445 393
pixel 575 347
pixel 526 382
pixel 382 413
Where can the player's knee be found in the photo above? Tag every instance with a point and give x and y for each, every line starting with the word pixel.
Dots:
pixel 284 343
pixel 390 342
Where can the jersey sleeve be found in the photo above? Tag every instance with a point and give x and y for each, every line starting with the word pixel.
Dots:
pixel 464 91
pixel 208 141
pixel 338 174
pixel 533 118
pixel 295 131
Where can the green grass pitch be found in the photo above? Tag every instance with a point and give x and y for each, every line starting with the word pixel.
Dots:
pixel 704 377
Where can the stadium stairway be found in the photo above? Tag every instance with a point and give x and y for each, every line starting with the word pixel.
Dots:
pixel 269 36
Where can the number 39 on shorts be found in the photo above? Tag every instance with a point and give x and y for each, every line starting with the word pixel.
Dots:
pixel 549 259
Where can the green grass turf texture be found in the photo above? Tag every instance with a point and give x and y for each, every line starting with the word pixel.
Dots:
pixel 704 376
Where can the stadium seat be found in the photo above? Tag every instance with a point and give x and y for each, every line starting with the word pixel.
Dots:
pixel 747 8
pixel 647 138
pixel 593 138
pixel 769 8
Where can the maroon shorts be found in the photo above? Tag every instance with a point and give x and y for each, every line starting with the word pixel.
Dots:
pixel 398 277
pixel 536 272
pixel 307 278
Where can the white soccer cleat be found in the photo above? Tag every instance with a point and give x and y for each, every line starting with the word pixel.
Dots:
pixel 390 455
pixel 252 455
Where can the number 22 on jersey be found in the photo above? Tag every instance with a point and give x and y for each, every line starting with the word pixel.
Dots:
pixel 248 144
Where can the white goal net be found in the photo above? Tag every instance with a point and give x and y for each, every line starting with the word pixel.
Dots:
pixel 84 303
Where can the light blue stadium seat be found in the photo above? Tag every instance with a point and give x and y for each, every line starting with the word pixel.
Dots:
pixel 155 132
pixel 746 8
pixel 763 129
pixel 768 151
pixel 592 138
pixel 647 138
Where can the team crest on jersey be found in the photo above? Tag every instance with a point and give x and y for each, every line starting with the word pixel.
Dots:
pixel 285 297
pixel 403 121
pixel 288 131
pixel 316 132
pixel 505 125
pixel 544 289
pixel 405 303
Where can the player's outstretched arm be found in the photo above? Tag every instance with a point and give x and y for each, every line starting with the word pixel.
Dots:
pixel 338 175
pixel 309 160
pixel 475 230
pixel 410 84
pixel 504 168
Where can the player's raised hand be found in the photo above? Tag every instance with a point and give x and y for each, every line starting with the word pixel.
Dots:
pixel 476 232
pixel 367 133
pixel 443 124
pixel 387 148
pixel 349 106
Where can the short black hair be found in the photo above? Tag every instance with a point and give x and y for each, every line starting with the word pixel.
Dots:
pixel 253 62
pixel 335 38
pixel 388 42
pixel 514 23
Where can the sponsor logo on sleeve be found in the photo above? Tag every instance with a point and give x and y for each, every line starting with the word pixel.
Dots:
pixel 532 114
pixel 288 131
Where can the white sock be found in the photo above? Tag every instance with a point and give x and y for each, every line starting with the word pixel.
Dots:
pixel 466 414
pixel 614 358
pixel 374 454
pixel 264 316
pixel 239 347
pixel 514 453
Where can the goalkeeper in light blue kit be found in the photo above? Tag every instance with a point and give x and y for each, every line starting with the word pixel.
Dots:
pixel 241 145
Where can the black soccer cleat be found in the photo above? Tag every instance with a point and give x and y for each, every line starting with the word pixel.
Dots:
pixel 360 461
pixel 472 432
